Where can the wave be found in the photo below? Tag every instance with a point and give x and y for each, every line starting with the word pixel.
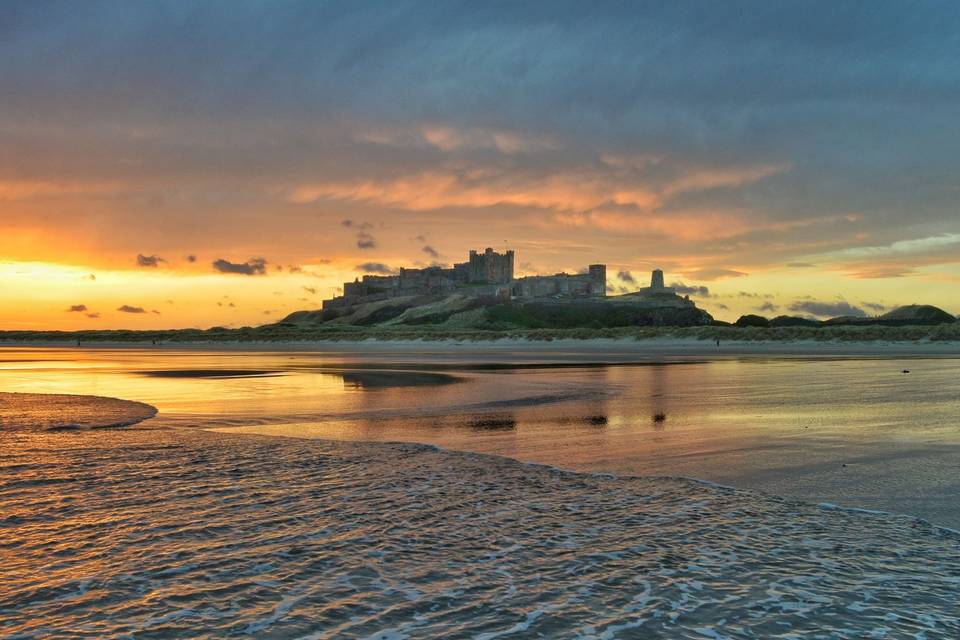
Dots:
pixel 178 532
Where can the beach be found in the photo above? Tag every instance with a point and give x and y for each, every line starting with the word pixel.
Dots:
pixel 540 493
pixel 151 533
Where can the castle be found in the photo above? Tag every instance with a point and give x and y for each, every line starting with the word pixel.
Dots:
pixel 486 274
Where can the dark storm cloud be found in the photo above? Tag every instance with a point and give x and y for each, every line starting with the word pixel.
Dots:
pixel 375 267
pixel 131 309
pixel 690 289
pixel 626 276
pixel 768 307
pixel 827 309
pixel 77 308
pixel 430 251
pixel 148 261
pixel 252 267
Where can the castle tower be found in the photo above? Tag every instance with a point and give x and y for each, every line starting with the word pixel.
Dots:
pixel 598 275
pixel 490 267
pixel 656 279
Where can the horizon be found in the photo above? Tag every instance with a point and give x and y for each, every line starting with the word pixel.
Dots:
pixel 174 166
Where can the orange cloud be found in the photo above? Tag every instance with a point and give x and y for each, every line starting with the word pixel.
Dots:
pixel 434 190
pixel 686 225
pixel 583 190
pixel 23 189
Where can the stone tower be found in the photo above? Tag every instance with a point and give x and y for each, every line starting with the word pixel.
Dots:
pixel 598 276
pixel 490 267
pixel 656 279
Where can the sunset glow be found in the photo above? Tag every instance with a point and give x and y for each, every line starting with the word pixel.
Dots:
pixel 737 194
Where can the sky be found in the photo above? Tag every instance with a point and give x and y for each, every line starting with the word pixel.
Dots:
pixel 177 164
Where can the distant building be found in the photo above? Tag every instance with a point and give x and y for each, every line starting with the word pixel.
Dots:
pixel 486 274
pixel 656 286
pixel 656 279
pixel 490 267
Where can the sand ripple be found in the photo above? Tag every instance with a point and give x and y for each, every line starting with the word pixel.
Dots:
pixel 53 412
pixel 152 533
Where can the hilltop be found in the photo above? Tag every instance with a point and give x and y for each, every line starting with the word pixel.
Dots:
pixel 458 312
pixel 908 315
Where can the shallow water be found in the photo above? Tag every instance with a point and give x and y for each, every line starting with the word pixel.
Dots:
pixel 851 431
pixel 155 532
pixel 174 533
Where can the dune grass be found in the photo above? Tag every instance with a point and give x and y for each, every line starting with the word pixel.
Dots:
pixel 321 333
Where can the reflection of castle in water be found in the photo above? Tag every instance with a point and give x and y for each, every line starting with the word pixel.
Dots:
pixel 486 274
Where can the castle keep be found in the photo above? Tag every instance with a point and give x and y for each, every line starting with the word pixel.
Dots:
pixel 484 274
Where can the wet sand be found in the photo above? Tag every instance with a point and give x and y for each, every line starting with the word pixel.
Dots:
pixel 159 533
pixel 597 350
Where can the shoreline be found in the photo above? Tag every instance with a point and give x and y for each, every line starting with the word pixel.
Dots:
pixel 137 420
pixel 609 349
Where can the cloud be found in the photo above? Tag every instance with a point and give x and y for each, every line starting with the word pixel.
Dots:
pixel 574 190
pixel 900 247
pixel 742 123
pixel 720 305
pixel 191 258
pixel 93 315
pixel 366 241
pixel 77 308
pixel 149 261
pixel 310 290
pixel 690 289
pixel 827 309
pixel 875 306
pixel 626 276
pixel 769 307
pixel 714 273
pixel 130 309
pixel 252 267
pixel 90 277
pixel 430 251
pixel 375 267
pixel 26 189
pixel 449 138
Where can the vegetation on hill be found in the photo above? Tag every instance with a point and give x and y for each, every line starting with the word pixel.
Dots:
pixel 321 333
pixel 469 318
pixel 909 315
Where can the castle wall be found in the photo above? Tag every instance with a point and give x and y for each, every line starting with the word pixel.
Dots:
pixel 487 274
pixel 581 285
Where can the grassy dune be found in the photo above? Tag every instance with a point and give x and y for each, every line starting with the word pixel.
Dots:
pixel 280 333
